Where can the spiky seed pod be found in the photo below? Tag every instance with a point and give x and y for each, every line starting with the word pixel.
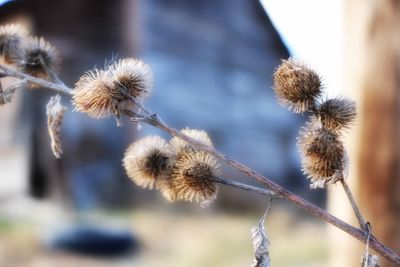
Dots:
pixel 337 113
pixel 147 161
pixel 181 148
pixel 178 145
pixel 55 114
pixel 131 78
pixel 192 176
pixel 323 154
pixel 167 189
pixel 297 86
pixel 39 58
pixel 91 94
pixel 11 38
pixel 102 93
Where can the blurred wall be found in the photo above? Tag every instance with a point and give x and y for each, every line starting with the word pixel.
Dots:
pixel 372 72
pixel 213 63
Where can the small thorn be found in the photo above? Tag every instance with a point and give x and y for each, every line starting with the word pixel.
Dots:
pixel 118 120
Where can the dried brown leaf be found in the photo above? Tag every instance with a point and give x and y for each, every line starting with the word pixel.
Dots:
pixel 260 244
pixel 55 113
pixel 370 260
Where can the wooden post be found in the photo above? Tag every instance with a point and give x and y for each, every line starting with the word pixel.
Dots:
pixel 372 77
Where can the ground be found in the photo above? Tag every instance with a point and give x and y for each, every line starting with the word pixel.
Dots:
pixel 175 238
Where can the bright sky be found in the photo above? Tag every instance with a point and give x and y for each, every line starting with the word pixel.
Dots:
pixel 312 30
pixel 4 1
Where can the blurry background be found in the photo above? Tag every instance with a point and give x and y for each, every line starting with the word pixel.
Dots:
pixel 213 63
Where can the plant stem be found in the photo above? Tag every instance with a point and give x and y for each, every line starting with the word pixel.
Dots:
pixel 2 101
pixel 155 121
pixel 280 191
pixel 356 210
pixel 246 187
pixel 54 86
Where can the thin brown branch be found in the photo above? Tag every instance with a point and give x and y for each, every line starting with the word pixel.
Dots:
pixel 60 88
pixel 2 101
pixel 155 121
pixel 282 192
pixel 246 187
pixel 352 201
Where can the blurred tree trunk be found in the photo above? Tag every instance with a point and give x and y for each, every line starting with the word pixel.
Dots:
pixel 372 77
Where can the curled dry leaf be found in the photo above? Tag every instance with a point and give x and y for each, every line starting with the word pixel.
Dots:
pixel 260 244
pixel 370 260
pixel 55 113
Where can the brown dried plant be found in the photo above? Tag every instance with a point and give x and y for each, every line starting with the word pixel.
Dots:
pixel 297 86
pixel 187 167
pixel 148 161
pixel 39 58
pixel 55 114
pixel 11 39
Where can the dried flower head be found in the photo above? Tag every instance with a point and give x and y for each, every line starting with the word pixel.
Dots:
pixel 179 145
pixel 323 154
pixel 297 86
pixel 147 161
pixel 39 59
pixel 337 114
pixel 131 78
pixel 55 114
pixel 101 93
pixel 192 176
pixel 167 189
pixel 91 94
pixel 11 38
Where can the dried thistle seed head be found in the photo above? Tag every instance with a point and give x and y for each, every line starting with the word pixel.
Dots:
pixel 102 93
pixel 92 94
pixel 179 145
pixel 182 149
pixel 11 38
pixel 337 114
pixel 147 160
pixel 39 59
pixel 131 78
pixel 192 176
pixel 297 86
pixel 167 189
pixel 323 154
pixel 317 174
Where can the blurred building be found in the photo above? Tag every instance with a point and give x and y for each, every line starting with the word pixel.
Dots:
pixel 213 63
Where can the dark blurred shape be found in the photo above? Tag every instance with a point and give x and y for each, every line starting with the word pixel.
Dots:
pixel 95 241
pixel 87 40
